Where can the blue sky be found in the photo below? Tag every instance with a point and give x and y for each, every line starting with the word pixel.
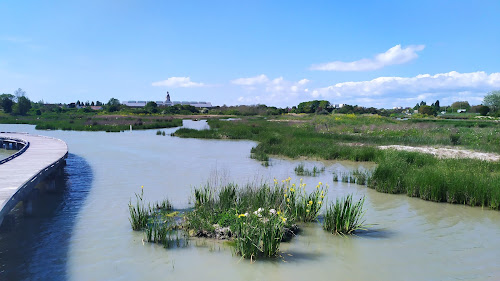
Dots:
pixel 370 53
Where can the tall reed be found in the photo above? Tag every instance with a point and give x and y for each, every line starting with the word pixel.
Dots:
pixel 344 216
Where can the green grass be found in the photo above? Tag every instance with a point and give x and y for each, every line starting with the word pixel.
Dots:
pixel 344 216
pixel 139 212
pixel 300 170
pixel 257 214
pixel 89 122
pixel 352 137
pixel 461 181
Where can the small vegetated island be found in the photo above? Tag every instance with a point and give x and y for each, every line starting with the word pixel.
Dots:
pixel 256 219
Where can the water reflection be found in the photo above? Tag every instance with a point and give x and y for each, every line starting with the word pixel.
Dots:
pixel 36 247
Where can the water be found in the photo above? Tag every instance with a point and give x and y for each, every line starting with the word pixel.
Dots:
pixel 4 153
pixel 83 232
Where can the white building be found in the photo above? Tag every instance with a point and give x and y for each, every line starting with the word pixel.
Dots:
pixel 167 102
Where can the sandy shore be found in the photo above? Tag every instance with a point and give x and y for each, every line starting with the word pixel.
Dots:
pixel 443 152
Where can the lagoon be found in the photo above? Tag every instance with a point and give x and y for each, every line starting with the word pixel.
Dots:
pixel 83 232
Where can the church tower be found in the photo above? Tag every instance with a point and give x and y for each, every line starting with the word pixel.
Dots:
pixel 168 97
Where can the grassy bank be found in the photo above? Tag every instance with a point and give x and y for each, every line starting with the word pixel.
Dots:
pixel 92 122
pixel 350 137
pixel 461 181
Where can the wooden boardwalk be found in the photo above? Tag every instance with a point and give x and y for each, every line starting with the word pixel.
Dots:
pixel 21 174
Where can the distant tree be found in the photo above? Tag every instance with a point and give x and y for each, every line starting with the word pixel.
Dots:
pixel 460 105
pixel 98 103
pixel 416 107
pixel 23 105
pixel 492 100
pixel 483 110
pixel 151 107
pixel 92 104
pixel 78 102
pixel 7 101
pixel 427 110
pixel 436 106
pixel 113 105
pixel 423 103
pixel 19 93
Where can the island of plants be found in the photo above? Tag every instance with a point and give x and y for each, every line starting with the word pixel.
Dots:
pixel 255 218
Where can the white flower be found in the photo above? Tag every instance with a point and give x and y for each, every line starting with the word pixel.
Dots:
pixel 260 210
pixel 272 211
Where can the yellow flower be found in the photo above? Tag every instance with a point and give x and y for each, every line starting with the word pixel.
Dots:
pixel 286 195
pixel 241 215
pixel 310 202
pixel 292 190
pixel 288 200
pixel 307 211
pixel 142 186
pixel 278 212
pixel 319 202
pixel 284 219
pixel 320 183
pixel 322 196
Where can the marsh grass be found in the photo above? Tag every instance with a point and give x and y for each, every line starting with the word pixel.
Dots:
pixel 462 181
pixel 139 212
pixel 303 206
pixel 257 214
pixel 300 170
pixel 344 216
pixel 259 234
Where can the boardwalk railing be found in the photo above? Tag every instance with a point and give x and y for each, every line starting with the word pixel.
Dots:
pixel 25 144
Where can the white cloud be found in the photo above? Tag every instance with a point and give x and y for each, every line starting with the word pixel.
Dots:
pixel 179 82
pixel 395 55
pixel 261 89
pixel 260 79
pixel 406 90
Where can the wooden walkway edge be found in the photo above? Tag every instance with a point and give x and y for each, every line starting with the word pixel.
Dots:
pixel 40 157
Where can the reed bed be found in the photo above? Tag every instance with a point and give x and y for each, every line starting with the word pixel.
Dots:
pixel 460 181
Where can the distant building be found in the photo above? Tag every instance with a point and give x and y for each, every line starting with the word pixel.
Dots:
pixel 461 110
pixel 338 105
pixel 397 107
pixel 168 102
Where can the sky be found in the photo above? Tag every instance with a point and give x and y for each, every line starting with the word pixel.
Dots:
pixel 279 53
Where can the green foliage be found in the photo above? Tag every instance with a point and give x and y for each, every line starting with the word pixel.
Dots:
pixel 455 139
pixel 139 213
pixel 483 110
pixel 462 181
pixel 427 110
pixel 492 99
pixel 344 216
pixel 314 106
pixel 259 234
pixel 300 170
pixel 6 101
pixel 302 206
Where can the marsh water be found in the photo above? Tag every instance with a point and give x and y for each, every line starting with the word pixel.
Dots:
pixel 82 231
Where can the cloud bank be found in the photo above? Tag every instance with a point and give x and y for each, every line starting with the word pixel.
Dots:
pixel 395 55
pixel 261 89
pixel 390 90
pixel 178 82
